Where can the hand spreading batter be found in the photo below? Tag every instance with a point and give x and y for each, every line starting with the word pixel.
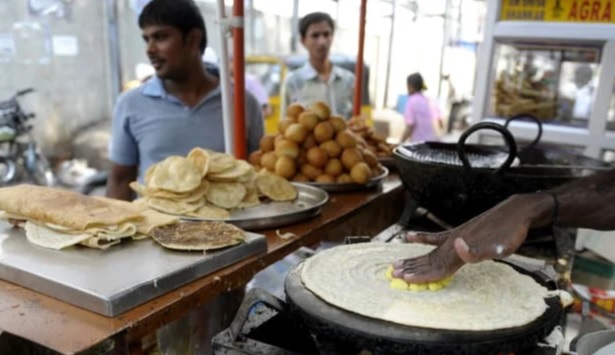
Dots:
pixel 497 233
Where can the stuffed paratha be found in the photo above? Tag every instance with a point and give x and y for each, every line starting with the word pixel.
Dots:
pixel 198 235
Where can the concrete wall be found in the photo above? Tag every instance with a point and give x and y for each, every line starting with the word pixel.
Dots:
pixel 72 91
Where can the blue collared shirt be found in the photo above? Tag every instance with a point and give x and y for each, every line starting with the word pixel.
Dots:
pixel 304 86
pixel 150 125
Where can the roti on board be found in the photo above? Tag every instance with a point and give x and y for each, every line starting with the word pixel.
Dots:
pixel 198 235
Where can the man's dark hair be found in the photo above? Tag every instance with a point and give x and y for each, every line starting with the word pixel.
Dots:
pixel 416 80
pixel 315 17
pixel 181 14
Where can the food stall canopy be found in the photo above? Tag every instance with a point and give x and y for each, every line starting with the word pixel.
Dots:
pixel 552 59
pixel 584 11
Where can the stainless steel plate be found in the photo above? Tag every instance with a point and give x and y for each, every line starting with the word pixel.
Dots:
pixel 352 186
pixel 110 282
pixel 276 214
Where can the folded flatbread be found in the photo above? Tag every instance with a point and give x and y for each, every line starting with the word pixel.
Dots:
pixel 150 219
pixel 95 222
pixel 51 239
pixel 63 208
pixel 99 243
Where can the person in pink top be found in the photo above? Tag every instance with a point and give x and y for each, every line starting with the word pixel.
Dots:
pixel 421 113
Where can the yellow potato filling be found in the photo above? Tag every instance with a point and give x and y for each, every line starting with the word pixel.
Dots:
pixel 399 284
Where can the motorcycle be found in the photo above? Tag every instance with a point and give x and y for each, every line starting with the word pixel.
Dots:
pixel 18 150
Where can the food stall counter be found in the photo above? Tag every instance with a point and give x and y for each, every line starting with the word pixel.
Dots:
pixel 69 329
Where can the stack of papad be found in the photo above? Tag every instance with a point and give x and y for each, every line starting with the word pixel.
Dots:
pixel 208 185
pixel 57 219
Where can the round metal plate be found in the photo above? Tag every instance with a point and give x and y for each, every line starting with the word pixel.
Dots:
pixel 335 323
pixel 352 186
pixel 273 214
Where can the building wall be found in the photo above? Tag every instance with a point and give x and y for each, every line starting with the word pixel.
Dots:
pixel 72 88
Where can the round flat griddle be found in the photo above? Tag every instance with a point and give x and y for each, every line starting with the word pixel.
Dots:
pixel 334 323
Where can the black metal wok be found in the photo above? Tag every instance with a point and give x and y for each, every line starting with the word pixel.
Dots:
pixel 536 154
pixel 457 182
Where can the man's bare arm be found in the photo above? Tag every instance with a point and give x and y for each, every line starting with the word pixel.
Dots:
pixel 587 202
pixel 119 179
pixel 499 232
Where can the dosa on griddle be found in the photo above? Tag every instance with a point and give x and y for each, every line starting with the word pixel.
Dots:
pixel 198 235
pixel 63 208
pixel 485 296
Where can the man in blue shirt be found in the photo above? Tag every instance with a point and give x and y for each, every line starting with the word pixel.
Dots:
pixel 180 107
pixel 176 110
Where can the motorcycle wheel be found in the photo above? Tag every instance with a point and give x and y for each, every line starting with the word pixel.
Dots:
pixel 8 171
pixel 41 172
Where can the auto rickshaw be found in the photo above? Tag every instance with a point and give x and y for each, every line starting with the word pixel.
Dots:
pixel 272 70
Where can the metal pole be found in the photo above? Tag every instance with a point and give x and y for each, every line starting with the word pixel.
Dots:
pixel 358 89
pixel 445 40
pixel 241 151
pixel 251 27
pixel 294 38
pixel 389 54
pixel 225 82
pixel 114 49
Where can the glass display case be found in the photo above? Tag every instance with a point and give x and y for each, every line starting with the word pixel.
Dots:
pixel 554 62
pixel 554 82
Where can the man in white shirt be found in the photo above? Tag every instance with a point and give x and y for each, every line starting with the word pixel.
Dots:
pixel 580 92
pixel 319 79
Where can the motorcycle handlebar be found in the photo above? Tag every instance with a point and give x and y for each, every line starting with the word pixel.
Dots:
pixel 24 92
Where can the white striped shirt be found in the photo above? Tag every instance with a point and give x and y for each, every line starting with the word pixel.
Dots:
pixel 304 86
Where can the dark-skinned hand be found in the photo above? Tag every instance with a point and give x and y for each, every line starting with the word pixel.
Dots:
pixel 494 234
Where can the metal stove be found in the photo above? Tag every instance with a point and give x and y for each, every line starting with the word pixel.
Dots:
pixel 264 324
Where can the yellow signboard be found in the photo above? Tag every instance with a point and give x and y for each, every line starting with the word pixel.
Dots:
pixel 588 11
